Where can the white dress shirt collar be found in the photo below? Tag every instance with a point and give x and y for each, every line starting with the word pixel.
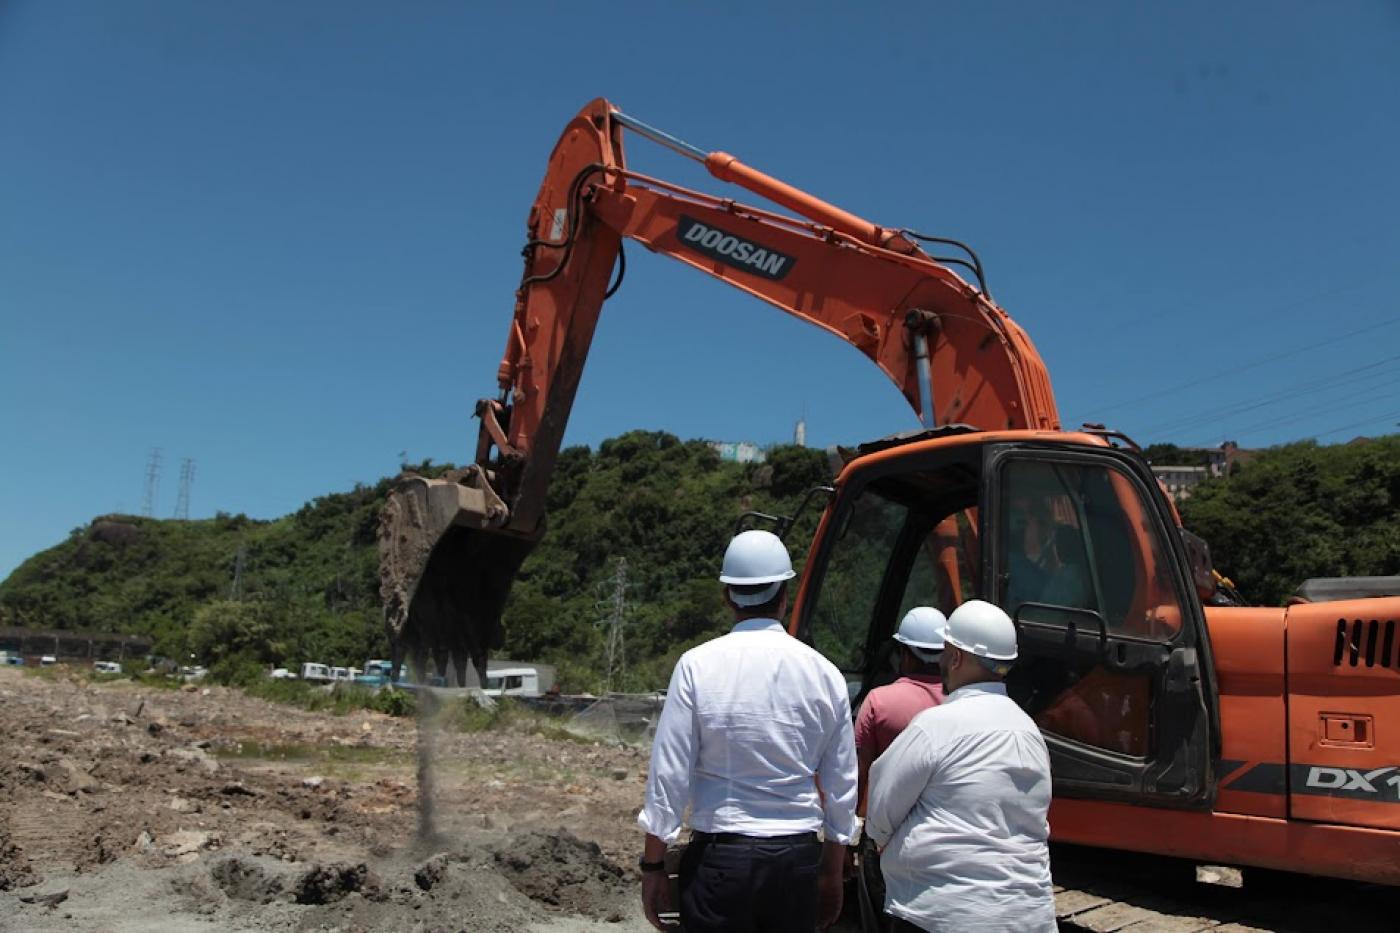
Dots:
pixel 981 688
pixel 757 625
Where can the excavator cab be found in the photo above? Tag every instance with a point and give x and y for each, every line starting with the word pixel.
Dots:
pixel 1076 542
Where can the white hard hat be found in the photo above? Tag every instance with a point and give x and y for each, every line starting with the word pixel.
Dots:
pixel 921 630
pixel 982 629
pixel 755 557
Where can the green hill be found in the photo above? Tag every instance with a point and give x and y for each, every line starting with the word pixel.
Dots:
pixel 304 587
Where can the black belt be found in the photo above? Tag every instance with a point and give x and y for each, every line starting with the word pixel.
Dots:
pixel 741 839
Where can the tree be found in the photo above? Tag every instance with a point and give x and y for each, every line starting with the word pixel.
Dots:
pixel 225 628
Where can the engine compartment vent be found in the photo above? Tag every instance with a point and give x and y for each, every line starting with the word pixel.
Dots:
pixel 1370 642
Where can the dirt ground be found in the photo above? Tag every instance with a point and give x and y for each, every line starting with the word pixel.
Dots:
pixel 129 808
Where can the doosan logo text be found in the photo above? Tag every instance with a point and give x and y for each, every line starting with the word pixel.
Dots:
pixel 733 250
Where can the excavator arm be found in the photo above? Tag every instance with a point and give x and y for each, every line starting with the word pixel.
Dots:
pixel 451 546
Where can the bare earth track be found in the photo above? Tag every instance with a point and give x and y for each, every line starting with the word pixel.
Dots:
pixel 127 809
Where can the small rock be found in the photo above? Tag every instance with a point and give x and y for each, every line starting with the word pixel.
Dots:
pixel 182 805
pixel 189 688
pixel 76 778
pixel 123 719
pixel 313 782
pixel 196 755
pixel 154 728
pixel 619 774
pixel 238 789
pixel 52 899
pixel 187 842
pixel 144 842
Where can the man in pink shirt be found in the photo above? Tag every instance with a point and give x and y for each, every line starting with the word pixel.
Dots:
pixel 885 713
pixel 888 709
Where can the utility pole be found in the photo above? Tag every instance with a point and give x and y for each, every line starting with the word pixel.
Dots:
pixel 182 501
pixel 148 506
pixel 615 604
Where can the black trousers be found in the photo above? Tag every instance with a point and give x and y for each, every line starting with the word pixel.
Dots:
pixel 749 887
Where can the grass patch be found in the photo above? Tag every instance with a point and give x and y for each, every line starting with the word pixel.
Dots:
pixel 506 716
pixel 157 681
pixel 339 700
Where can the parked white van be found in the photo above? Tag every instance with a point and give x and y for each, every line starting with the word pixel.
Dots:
pixel 512 681
pixel 315 672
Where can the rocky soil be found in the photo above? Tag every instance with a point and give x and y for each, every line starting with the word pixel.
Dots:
pixel 127 808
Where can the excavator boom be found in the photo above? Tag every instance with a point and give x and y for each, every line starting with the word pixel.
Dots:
pixel 451 546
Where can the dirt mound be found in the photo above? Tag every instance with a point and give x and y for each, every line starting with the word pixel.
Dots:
pixel 326 884
pixel 430 872
pixel 246 880
pixel 565 872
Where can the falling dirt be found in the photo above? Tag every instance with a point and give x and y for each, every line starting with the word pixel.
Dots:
pixel 129 809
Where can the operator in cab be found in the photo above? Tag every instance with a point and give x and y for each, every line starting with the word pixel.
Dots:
pixel 959 800
pixel 755 739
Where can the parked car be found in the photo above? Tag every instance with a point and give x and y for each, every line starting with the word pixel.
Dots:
pixel 193 672
pixel 315 672
pixel 48 659
pixel 282 673
pixel 106 667
pixel 12 658
pixel 512 681
pixel 378 673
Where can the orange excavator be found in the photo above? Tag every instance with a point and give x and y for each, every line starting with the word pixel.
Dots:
pixel 1176 725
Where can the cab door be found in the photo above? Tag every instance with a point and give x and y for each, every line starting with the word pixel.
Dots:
pixel 1114 663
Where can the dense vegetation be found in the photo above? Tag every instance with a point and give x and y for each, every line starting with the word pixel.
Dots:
pixel 232 590
pixel 1303 511
pixel 304 587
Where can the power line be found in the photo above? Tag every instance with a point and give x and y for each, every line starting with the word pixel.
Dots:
pixel 1299 415
pixel 1357 374
pixel 1358 424
pixel 1236 370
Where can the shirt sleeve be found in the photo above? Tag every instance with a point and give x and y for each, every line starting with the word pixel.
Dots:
pixel 673 754
pixel 837 771
pixel 865 722
pixel 897 779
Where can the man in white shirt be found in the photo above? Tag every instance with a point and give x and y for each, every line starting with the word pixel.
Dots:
pixel 959 800
pixel 755 741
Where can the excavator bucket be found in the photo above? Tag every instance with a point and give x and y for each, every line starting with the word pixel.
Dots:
pixel 445 571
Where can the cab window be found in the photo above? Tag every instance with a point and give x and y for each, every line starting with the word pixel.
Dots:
pixel 1081 537
pixel 1077 546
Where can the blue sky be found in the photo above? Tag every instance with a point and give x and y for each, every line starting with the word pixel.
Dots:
pixel 282 239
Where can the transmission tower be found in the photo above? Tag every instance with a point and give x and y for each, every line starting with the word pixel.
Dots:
pixel 235 592
pixel 182 501
pixel 615 604
pixel 148 506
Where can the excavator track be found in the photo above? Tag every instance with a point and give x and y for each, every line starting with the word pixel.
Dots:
pixel 1104 892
